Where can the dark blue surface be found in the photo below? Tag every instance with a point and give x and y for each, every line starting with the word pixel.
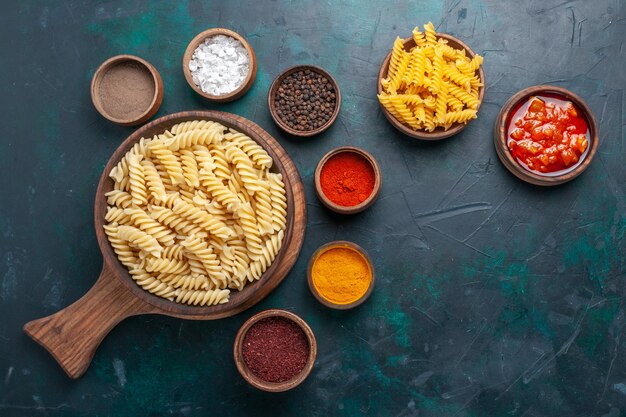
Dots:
pixel 493 298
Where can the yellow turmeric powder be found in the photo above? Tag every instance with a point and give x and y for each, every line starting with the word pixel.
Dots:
pixel 341 275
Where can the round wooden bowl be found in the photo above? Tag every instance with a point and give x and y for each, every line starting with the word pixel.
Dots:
pixel 339 244
pixel 439 133
pixel 500 139
pixel 271 99
pixel 233 95
pixel 141 65
pixel 253 379
pixel 348 209
pixel 73 334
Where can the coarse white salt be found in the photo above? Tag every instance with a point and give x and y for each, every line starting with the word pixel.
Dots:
pixel 219 65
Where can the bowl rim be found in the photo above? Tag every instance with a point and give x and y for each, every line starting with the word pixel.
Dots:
pixel 365 203
pixel 237 298
pixel 438 133
pixel 248 81
pixel 247 374
pixel 157 98
pixel 501 141
pixel 339 244
pixel 276 84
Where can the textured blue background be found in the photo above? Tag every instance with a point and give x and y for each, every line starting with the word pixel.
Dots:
pixel 494 298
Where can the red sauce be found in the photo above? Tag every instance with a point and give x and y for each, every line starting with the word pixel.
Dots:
pixel 548 134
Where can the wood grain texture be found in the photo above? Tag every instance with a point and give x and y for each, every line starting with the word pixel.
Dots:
pixel 274 386
pixel 500 136
pixel 73 334
pixel 439 132
pixel 271 100
pixel 247 83
pixel 156 100
pixel 378 181
pixel 116 279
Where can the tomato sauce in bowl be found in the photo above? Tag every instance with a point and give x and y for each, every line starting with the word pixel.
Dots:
pixel 548 135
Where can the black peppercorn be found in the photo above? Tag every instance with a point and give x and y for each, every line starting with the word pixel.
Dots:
pixel 305 100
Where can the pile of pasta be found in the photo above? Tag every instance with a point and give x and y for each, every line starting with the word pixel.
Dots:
pixel 195 212
pixel 431 85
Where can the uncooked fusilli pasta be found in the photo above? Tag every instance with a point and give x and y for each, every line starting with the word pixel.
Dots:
pixel 195 212
pixel 432 85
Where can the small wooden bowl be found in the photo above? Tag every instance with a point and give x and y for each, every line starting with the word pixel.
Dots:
pixel 348 209
pixel 253 379
pixel 500 139
pixel 243 88
pixel 439 133
pixel 339 244
pixel 272 105
pixel 141 66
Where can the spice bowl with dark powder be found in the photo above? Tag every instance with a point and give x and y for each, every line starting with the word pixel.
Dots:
pixel 304 100
pixel 127 90
pixel 275 350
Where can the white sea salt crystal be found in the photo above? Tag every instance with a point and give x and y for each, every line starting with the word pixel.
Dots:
pixel 219 65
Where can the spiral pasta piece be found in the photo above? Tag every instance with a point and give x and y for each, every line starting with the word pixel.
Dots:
pixel 151 284
pixel 200 250
pixel 441 106
pixel 248 222
pixel 279 201
pixel 462 116
pixel 245 169
pixel 170 219
pixel 455 104
pixel 417 68
pixel 217 190
pixel 450 72
pixel 117 215
pixel 222 168
pixel 175 251
pixel 437 73
pixel 255 152
pixel 188 282
pixel 469 68
pixel 430 34
pixel 124 252
pixel 153 180
pixel 202 297
pixel 191 125
pixel 140 239
pixel 270 249
pixel 169 161
pixel 202 219
pixel 119 198
pixel 263 208
pixel 418 37
pixel 143 221
pixel 396 56
pixel 138 190
pixel 190 168
pixel 187 139
pixel 167 266
pixel 465 97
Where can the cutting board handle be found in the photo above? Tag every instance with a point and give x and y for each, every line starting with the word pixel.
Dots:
pixel 73 334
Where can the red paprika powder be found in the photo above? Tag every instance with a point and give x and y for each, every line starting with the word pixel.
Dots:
pixel 347 179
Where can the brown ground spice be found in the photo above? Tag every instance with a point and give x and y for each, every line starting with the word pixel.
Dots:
pixel 126 90
pixel 275 349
